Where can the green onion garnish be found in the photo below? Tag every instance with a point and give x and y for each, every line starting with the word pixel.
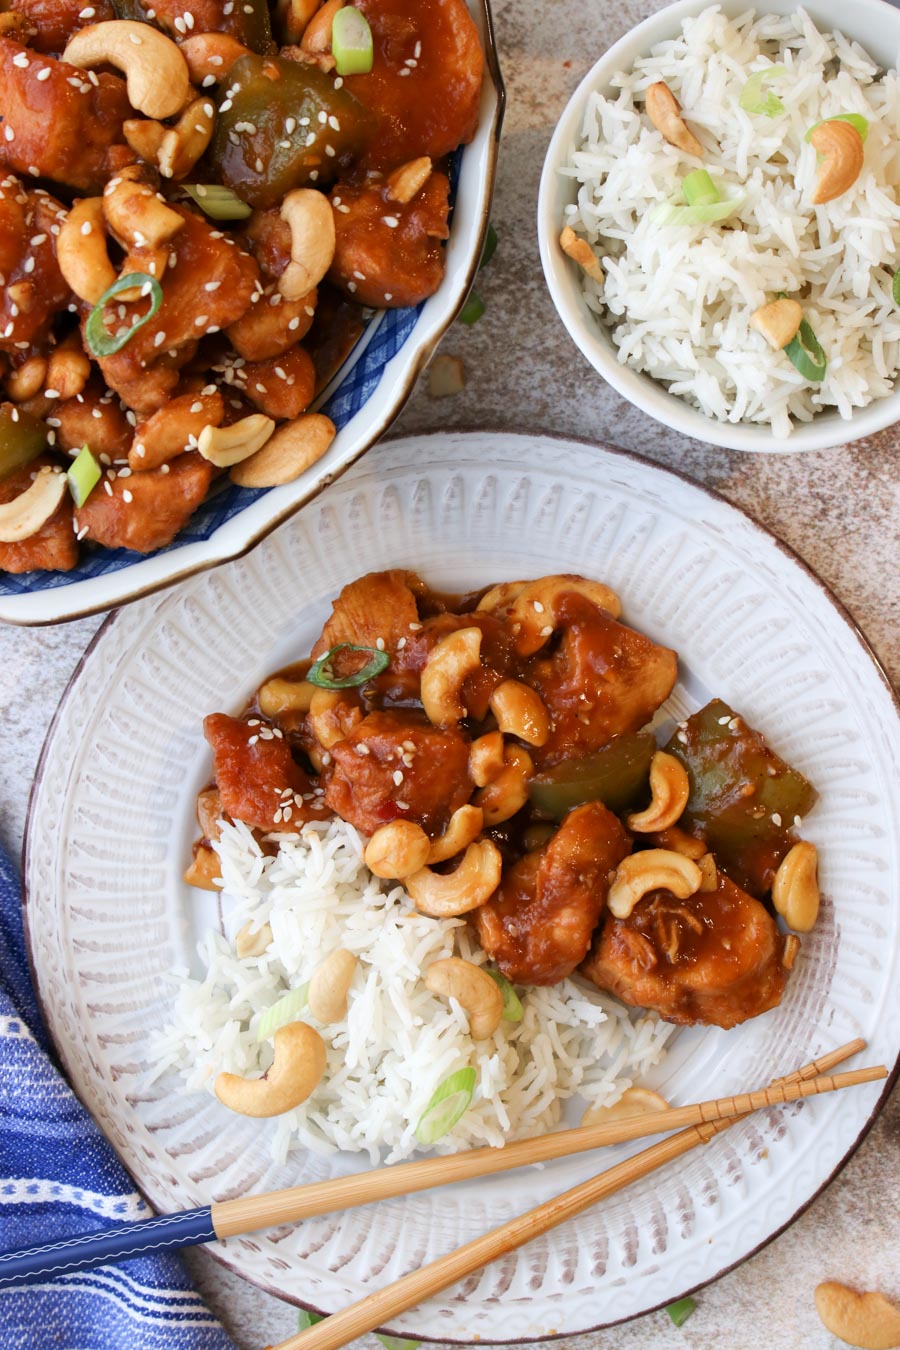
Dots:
pixel 396 1342
pixel 217 201
pixel 895 288
pixel 667 213
pixel 322 673
pixel 282 1012
pixel 84 474
pixel 512 1006
pixel 305 1319
pixel 753 100
pixel 806 354
pixel 699 189
pixel 446 1106
pixel 490 247
pixel 99 340
pixel 351 42
pixel 856 120
pixel 681 1311
pixel 473 309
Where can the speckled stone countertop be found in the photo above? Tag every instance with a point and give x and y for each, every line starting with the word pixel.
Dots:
pixel 840 510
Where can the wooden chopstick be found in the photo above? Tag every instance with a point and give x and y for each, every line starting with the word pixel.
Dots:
pixel 378 1308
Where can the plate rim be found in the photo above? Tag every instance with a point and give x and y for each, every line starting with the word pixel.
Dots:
pixel 521 434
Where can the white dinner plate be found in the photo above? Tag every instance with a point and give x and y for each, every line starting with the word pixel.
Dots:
pixel 111 823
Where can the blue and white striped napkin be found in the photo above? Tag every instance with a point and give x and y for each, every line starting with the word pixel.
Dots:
pixel 58 1175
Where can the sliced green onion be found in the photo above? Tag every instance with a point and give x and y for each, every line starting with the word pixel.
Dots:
pixel 699 189
pixel 490 247
pixel 101 342
pixel 473 309
pixel 396 1342
pixel 667 213
pixel 752 99
pixel 305 1319
pixel 895 289
pixel 351 42
pixel 806 354
pixel 512 1006
pixel 282 1012
pixel 322 674
pixel 446 1106
pixel 856 120
pixel 84 474
pixel 217 201
pixel 681 1311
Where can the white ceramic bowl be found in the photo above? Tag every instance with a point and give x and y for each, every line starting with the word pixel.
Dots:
pixel 875 24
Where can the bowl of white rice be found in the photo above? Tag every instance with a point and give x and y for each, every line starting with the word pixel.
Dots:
pixel 669 325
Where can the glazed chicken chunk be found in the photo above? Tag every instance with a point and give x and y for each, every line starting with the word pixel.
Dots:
pixel 259 780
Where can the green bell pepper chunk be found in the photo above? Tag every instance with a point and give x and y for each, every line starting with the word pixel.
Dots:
pixel 744 798
pixel 22 439
pixel 617 775
pixel 276 124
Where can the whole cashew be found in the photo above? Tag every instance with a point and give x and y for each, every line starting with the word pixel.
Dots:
pixel 68 369
pixel 449 662
pixel 332 715
pixel 27 380
pixel 25 514
pixel 486 758
pixel 795 890
pixel 398 849
pixel 841 148
pixel 508 792
pixel 82 253
pixel 463 829
pixel 279 696
pixel 670 790
pixel 499 599
pixel 311 218
pixel 868 1320
pixel 224 446
pixel 329 986
pixel 634 1101
pixel 474 990
pixel 156 74
pixel 296 1072
pixel 664 112
pixel 532 615
pixel 655 869
pixel 474 881
pixel 520 711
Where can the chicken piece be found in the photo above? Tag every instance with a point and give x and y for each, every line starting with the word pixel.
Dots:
pixel 272 325
pixel 538 926
pixel 145 511
pixel 63 126
pixel 602 681
pixel 94 418
pixel 381 606
pixel 398 766
pixel 208 287
pixel 388 253
pixel 247 22
pixel 53 548
pixel 428 107
pixel 52 22
pixel 259 780
pixel 281 387
pixel 716 958
pixel 33 290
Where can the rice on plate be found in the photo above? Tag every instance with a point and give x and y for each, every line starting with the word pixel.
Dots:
pixel 679 297
pixel 398 1042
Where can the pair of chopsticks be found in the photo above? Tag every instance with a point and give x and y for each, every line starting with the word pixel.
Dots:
pixel 231 1218
pixel 703 1120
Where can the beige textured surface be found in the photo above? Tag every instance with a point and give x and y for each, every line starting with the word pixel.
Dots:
pixel 839 510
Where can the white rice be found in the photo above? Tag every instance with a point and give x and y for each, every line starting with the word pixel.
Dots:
pixel 678 299
pixel 398 1041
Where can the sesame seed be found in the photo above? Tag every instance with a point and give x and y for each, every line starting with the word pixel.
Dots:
pixel 339 83
pixel 107 488
pixel 252 740
pixel 51 393
pixel 201 320
pixel 379 643
pixel 776 818
pixel 127 496
pixel 207 81
pixel 21 61
pixel 391 221
pixel 351 287
pixel 330 151
pixel 294 324
pixel 398 776
pixel 9 133
pixel 138 41
pixel 334 123
pixel 44 74
pixel 388 295
pixel 159 339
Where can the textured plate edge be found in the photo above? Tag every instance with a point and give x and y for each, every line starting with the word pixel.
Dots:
pixel 232 1263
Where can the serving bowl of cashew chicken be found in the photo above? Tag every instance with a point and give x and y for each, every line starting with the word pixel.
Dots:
pixel 505 757
pixel 223 247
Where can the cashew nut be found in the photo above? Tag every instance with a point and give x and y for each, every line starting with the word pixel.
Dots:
pixel 292 18
pixel 210 56
pixel 664 112
pixel 25 514
pixel 144 135
pixel 707 865
pixel 445 895
pixel 778 321
pixel 868 1320
pixel 463 829
pixel 520 711
pixel 487 758
pixel 81 251
pixel 279 696
pixel 135 213
pixel 332 715
pixel 224 446
pixel 634 1101
pixel 404 183
pixel 204 870
pixel 184 144
pixel 842 151
pixel 317 34
pixel 296 1072
pixel 476 993
pixel 679 841
pixel 656 869
pixel 252 942
pixel 397 849
pixel 795 890
pixel 329 986
pixel 27 380
pixel 311 218
pixel 500 598
pixel 294 447
pixel 670 789
pixel 508 792
pixel 156 74
pixel 68 369
pixel 210 812
pixel 449 662
pixel 580 251
pixel 532 615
